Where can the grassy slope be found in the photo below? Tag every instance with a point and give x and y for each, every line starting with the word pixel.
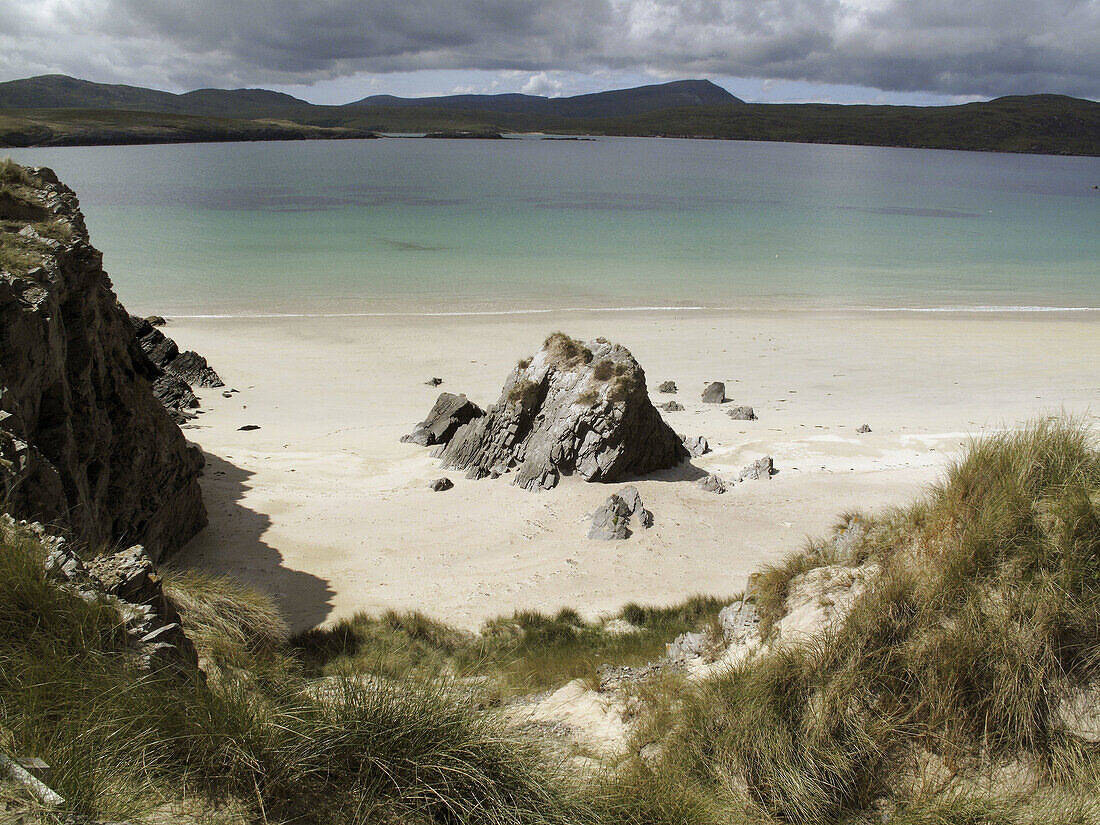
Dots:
pixel 1047 124
pixel 985 613
pixel 83 127
pixel 983 617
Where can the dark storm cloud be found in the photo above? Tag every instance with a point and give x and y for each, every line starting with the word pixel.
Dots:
pixel 978 47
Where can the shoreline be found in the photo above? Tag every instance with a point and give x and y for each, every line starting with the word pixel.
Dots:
pixel 325 508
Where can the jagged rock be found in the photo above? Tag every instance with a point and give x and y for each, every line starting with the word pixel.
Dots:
pixel 573 408
pixel 715 393
pixel 434 382
pixel 712 484
pixel 739 621
pixel 162 351
pixel 155 320
pixel 192 368
pixel 176 396
pixel 863 428
pixel 613 519
pixel 637 511
pixel 129 582
pixel 761 468
pixel 742 414
pixel 667 386
pixel 688 646
pixel 86 444
pixel 671 406
pixel 696 445
pixel 447 414
pixel 441 484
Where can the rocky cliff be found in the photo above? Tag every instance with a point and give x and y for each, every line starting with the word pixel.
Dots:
pixel 84 444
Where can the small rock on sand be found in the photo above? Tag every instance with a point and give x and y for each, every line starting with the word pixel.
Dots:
pixel 434 382
pixel 667 386
pixel 248 427
pixel 761 468
pixel 612 520
pixel 742 414
pixel 441 484
pixel 863 429
pixel 671 406
pixel 696 445
pixel 712 484
pixel 715 393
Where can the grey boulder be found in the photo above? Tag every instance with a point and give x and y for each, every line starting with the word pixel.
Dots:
pixel 696 445
pixel 863 429
pixel 712 484
pixel 574 407
pixel 671 406
pixel 761 468
pixel 441 484
pixel 613 519
pixel 715 393
pixel 667 386
pixel 742 413
pixel 449 412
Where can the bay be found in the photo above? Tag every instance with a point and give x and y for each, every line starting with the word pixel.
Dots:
pixel 406 225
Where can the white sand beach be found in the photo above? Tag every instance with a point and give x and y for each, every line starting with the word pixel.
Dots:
pixel 325 508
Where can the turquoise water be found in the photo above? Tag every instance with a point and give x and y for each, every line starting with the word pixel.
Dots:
pixel 408 225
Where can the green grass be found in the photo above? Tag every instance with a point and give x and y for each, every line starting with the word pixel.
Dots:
pixel 123 741
pixel 985 612
pixel 525 652
pixel 19 207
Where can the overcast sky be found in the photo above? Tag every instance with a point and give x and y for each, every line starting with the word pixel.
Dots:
pixel 335 51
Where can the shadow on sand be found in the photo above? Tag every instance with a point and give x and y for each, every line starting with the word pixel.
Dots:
pixel 233 544
pixel 685 471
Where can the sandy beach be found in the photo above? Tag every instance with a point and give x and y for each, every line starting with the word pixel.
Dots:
pixel 325 508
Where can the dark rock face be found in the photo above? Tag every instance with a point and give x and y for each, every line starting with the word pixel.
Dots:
pixel 667 386
pixel 447 414
pixel 715 393
pixel 84 443
pixel 188 366
pixel 742 414
pixel 613 519
pixel 572 408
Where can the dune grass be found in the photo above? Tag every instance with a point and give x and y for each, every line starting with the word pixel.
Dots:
pixel 124 741
pixel 985 613
pixel 525 652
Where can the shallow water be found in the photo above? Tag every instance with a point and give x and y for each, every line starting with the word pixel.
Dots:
pixel 422 226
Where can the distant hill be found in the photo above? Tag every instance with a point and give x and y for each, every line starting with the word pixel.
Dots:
pixel 618 103
pixel 59 110
pixel 56 91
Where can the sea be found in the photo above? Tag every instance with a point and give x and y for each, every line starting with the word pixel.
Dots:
pixel 407 225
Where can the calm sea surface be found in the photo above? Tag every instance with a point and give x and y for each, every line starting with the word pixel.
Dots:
pixel 412 225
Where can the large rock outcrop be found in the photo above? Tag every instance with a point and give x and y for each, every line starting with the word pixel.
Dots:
pixel 84 444
pixel 572 408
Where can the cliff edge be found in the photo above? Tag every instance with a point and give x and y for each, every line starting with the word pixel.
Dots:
pixel 84 444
